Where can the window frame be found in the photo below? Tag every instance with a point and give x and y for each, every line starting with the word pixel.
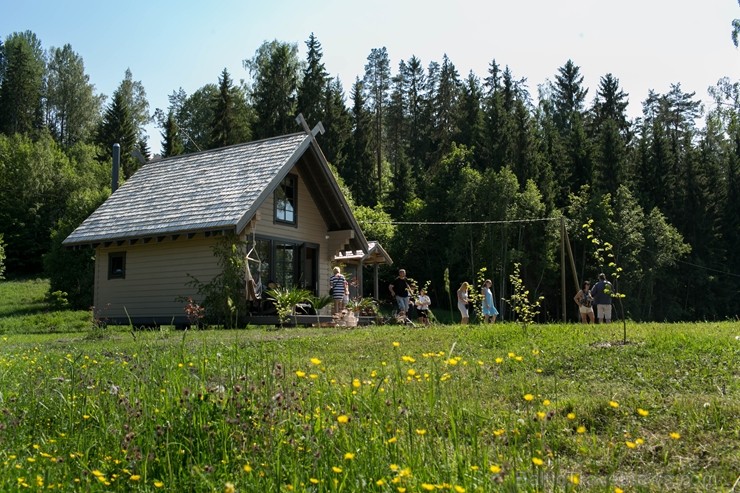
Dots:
pixel 113 271
pixel 290 181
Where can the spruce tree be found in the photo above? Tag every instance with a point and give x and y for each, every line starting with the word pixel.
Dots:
pixel 21 84
pixel 312 89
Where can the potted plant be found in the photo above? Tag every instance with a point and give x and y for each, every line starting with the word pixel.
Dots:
pixel 286 300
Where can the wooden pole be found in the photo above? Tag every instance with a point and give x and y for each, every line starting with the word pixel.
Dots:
pixel 562 266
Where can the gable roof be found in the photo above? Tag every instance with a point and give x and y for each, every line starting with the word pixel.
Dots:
pixel 214 190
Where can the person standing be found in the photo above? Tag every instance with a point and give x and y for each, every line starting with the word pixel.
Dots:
pixel 602 294
pixel 584 300
pixel 337 288
pixel 488 308
pixel 462 302
pixel 401 289
pixel 422 306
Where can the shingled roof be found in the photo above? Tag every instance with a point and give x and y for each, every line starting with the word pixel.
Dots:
pixel 213 190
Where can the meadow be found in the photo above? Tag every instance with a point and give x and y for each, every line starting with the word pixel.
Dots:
pixel 560 407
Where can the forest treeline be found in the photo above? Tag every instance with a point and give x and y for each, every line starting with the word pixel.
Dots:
pixel 452 173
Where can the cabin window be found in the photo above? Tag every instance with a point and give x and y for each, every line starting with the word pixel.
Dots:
pixel 286 263
pixel 117 265
pixel 285 200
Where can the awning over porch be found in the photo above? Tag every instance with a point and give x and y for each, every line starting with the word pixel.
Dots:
pixel 355 260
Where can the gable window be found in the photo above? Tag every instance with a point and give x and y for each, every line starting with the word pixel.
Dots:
pixel 285 200
pixel 117 265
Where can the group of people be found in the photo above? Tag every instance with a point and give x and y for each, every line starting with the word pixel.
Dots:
pixel 600 295
pixel 487 307
pixel 401 290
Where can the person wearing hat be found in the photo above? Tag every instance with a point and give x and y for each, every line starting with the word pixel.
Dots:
pixel 602 293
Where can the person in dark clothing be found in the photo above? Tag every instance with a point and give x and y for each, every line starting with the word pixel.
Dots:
pixel 602 294
pixel 401 290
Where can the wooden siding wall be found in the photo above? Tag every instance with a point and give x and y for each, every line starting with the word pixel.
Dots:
pixel 156 274
pixel 310 227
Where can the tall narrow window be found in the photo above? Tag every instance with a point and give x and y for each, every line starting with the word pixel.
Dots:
pixel 117 265
pixel 285 200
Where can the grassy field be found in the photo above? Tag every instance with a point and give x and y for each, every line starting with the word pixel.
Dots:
pixel 388 409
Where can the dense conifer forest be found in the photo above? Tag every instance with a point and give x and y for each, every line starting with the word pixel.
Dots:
pixel 453 173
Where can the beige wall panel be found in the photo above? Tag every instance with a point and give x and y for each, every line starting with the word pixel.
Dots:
pixel 310 228
pixel 156 274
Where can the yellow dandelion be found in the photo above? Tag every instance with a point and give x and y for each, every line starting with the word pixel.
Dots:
pixel 581 429
pixel 158 484
pixel 546 402
pixel 380 482
pixel 396 344
pixel 630 444
pixel 349 456
pixel 85 416
pixel 459 489
pixel 356 383
pixel 614 404
pixel 519 358
pixel 315 361
pixel 474 468
pixel 642 412
pixel 300 374
pixel 574 478
pixel 639 441
pixel 571 416
pixel 528 397
pixel 97 473
pixel 541 414
pixel 229 488
pixel 313 376
pixel 675 435
pixel 494 469
pixel 135 477
pixel 618 490
pixel 313 481
pixel 499 361
pixel 511 355
pixel 342 418
pixel 392 440
pixel 394 467
pixel 537 461
pixel 408 359
pixel 401 489
pixel 247 468
pixel 336 469
pixel 411 372
pixel 421 432
pixel 499 432
pixel 427 486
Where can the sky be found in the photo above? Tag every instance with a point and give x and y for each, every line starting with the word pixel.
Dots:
pixel 167 45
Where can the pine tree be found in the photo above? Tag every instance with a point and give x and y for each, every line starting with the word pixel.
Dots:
pixel 337 124
pixel 359 164
pixel 275 70
pixel 171 140
pixel 21 84
pixel 446 100
pixel 118 127
pixel 312 89
pixel 377 82
pixel 610 131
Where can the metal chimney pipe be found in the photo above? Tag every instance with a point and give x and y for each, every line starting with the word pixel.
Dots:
pixel 116 167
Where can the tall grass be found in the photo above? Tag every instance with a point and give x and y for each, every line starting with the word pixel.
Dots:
pixel 475 408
